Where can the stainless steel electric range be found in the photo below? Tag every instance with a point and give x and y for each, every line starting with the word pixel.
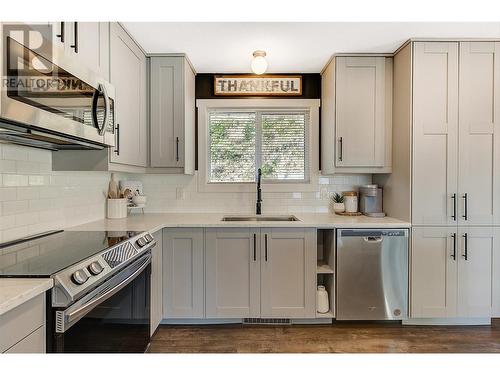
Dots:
pixel 100 302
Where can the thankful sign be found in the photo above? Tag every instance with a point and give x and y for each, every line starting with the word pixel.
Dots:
pixel 258 85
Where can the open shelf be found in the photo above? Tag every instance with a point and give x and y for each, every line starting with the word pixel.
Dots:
pixel 328 314
pixel 323 268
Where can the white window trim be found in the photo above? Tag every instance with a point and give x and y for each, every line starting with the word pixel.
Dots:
pixel 312 159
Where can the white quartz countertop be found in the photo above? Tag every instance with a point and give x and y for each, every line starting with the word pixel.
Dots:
pixel 155 221
pixel 14 291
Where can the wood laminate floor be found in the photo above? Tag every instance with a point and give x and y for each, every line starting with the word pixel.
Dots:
pixel 337 338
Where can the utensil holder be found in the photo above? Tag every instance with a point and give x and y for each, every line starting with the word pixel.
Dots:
pixel 117 208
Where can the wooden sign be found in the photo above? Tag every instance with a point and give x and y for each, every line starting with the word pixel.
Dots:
pixel 258 85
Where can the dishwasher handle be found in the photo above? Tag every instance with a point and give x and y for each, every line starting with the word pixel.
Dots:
pixel 373 239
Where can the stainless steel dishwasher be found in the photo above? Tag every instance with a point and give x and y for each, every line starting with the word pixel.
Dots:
pixel 372 274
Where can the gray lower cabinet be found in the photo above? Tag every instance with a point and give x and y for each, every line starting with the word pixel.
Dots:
pixel 288 273
pixel 268 273
pixel 156 282
pixel 22 329
pixel 232 273
pixel 183 273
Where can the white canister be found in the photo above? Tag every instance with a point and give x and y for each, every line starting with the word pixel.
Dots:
pixel 322 304
pixel 117 208
pixel 350 201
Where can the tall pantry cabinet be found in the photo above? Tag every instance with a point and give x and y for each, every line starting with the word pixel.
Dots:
pixel 446 174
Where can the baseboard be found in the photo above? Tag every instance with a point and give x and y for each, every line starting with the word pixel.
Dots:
pixel 447 321
pixel 313 321
pixel 238 321
pixel 200 321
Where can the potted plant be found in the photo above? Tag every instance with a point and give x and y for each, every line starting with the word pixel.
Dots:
pixel 338 203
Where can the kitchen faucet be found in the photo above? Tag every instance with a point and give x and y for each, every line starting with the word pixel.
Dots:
pixel 258 208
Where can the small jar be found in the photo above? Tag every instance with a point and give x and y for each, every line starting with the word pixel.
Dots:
pixel 350 201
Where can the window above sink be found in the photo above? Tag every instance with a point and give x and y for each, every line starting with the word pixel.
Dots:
pixel 238 136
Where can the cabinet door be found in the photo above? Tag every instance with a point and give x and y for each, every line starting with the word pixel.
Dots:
pixel 435 132
pixel 434 262
pixel 93 46
pixel 33 343
pixel 360 111
pixel 479 151
pixel 167 111
pixel 477 248
pixel 128 75
pixel 60 34
pixel 183 281
pixel 157 282
pixel 232 273
pixel 288 272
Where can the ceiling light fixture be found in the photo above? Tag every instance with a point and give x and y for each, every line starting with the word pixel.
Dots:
pixel 259 63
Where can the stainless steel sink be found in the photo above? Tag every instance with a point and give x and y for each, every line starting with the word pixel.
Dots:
pixel 261 218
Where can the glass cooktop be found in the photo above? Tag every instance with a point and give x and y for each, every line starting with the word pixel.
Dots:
pixel 47 255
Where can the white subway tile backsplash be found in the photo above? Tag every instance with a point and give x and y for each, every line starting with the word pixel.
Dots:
pixel 28 193
pixel 8 194
pixel 13 152
pixel 38 180
pixel 14 207
pixel 33 198
pixel 14 180
pixel 7 166
pixel 27 167
pixel 31 194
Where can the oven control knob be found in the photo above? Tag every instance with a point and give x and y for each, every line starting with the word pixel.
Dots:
pixel 149 237
pixel 95 268
pixel 79 277
pixel 141 242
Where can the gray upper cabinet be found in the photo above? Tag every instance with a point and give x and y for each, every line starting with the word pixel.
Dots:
pixel 122 61
pixel 356 115
pixel 479 133
pixel 232 273
pixel 435 133
pixel 88 41
pixel 288 272
pixel 93 46
pixel 172 114
pixel 183 281
pixel 128 75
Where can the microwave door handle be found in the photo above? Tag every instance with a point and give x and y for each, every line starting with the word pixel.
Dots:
pixel 107 109
pixel 95 99
pixel 74 316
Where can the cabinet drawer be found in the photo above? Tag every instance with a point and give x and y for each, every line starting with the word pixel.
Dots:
pixel 21 321
pixel 34 343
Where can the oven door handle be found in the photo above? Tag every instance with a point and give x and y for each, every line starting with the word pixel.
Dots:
pixel 70 317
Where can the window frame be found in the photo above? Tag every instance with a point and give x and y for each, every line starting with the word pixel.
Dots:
pixel 261 106
pixel 258 143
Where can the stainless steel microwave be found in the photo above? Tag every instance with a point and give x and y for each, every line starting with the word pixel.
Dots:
pixel 50 99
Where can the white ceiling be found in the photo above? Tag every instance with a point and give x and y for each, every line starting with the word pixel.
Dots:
pixel 291 47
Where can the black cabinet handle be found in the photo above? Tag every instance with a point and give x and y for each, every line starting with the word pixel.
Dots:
pixel 254 247
pixel 117 147
pixel 465 216
pixel 454 255
pixel 454 216
pixel 341 152
pixel 265 246
pixel 176 148
pixel 61 34
pixel 466 245
pixel 75 45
